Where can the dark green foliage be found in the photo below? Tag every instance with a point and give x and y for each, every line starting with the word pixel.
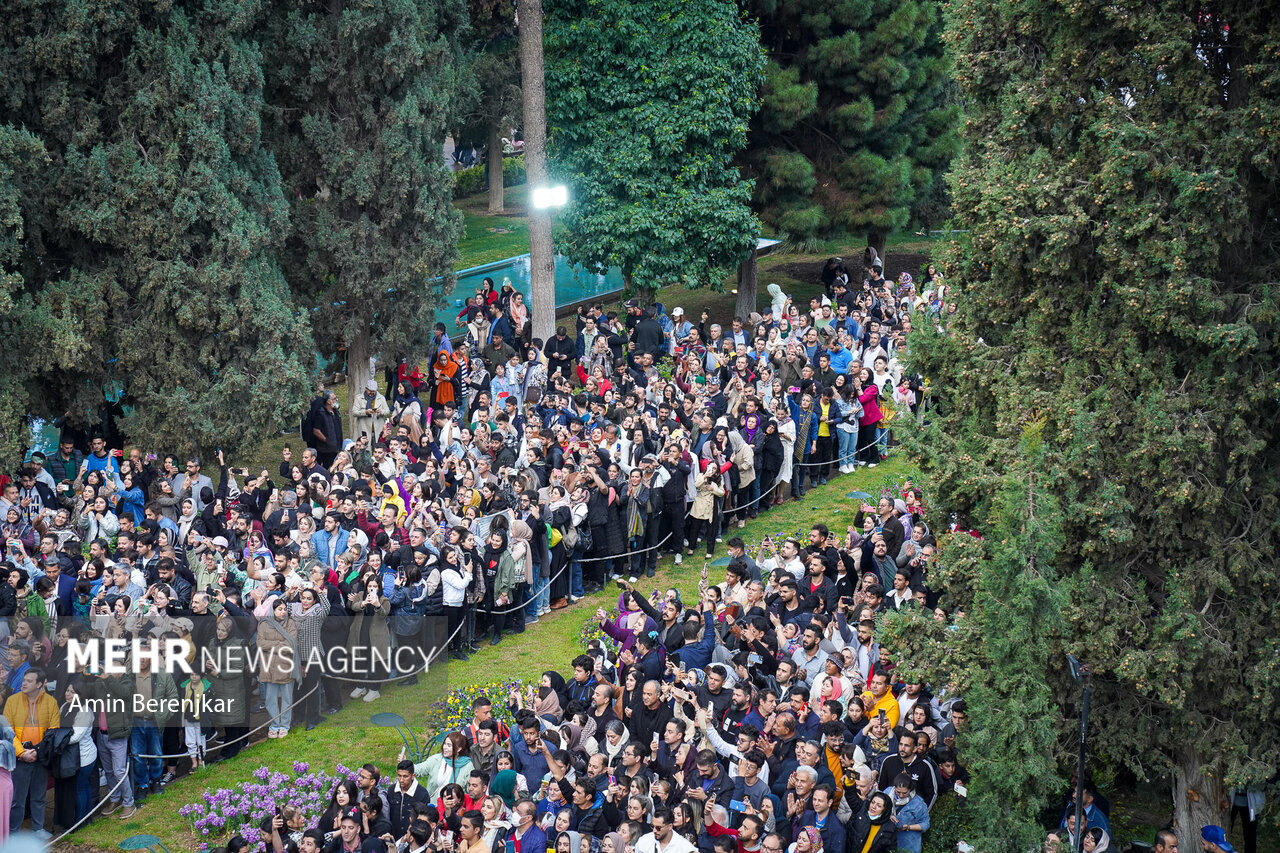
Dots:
pixel 360 97
pixel 648 103
pixel 20 157
pixel 997 654
pixel 148 261
pixel 856 126
pixel 949 822
pixel 1118 302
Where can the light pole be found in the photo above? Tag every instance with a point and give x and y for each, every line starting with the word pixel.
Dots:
pixel 1081 672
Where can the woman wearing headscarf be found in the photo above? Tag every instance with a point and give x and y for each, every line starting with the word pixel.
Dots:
pixel 808 840
pixel 614 843
pixel 560 518
pixel 279 666
pixel 450 766
pixel 872 829
pixel 496 825
pixel 406 410
pixel 369 636
pixel 16 528
pixel 407 594
pixel 227 667
pixel 549 698
pixel 532 376
pixel 522 559
pixel 504 785
pixel 615 740
pixel 499 571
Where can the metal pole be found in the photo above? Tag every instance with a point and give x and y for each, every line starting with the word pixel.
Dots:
pixel 1084 733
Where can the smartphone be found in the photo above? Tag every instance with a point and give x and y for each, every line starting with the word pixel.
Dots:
pixel 881 715
pixel 737 806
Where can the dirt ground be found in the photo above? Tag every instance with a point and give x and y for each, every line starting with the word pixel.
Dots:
pixel 811 271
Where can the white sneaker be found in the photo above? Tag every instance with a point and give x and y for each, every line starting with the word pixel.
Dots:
pixel 372 696
pixel 719 539
pixel 679 558
pixel 872 464
pixel 632 579
pixel 358 692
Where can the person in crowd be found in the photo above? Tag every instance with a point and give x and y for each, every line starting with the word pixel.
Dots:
pixel 507 479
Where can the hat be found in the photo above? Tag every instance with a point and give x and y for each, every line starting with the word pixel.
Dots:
pixel 37 457
pixel 371 385
pixel 1217 835
pixel 632 303
pixel 221 542
pixel 677 311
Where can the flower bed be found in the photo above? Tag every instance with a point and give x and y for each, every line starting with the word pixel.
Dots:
pixel 239 810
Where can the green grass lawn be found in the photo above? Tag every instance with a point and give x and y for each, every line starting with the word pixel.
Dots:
pixel 350 738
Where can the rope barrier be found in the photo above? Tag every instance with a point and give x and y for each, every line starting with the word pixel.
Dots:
pixel 76 825
pixel 435 649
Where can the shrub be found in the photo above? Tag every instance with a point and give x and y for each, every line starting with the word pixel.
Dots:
pixel 473 181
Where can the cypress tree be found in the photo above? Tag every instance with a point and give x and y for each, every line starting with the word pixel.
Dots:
pixel 150 233
pixel 1117 292
pixel 360 98
pixel 20 156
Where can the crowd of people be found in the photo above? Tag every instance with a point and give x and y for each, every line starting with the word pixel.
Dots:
pixel 512 478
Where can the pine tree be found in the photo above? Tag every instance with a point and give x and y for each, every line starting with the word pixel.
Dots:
pixel 150 234
pixel 360 97
pixel 856 127
pixel 1117 290
pixel 647 105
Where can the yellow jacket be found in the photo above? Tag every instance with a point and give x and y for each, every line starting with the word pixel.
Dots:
pixel 887 704
pixel 30 727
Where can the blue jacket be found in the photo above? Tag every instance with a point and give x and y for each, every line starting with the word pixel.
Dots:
pixel 841 360
pixel 796 413
pixel 914 812
pixel 832 830
pixel 329 545
pixel 533 841
pixel 698 655
pixel 531 765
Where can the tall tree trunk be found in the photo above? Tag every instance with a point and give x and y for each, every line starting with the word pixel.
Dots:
pixel 495 168
pixel 748 282
pixel 542 268
pixel 1198 797
pixel 358 373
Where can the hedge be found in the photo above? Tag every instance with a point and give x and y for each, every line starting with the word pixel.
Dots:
pixel 474 181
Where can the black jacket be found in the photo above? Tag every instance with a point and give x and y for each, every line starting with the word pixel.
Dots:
pixel 560 354
pixel 921 770
pixel 402 806
pixel 860 827
pixel 648 337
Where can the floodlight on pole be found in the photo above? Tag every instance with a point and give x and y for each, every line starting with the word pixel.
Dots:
pixel 548 197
